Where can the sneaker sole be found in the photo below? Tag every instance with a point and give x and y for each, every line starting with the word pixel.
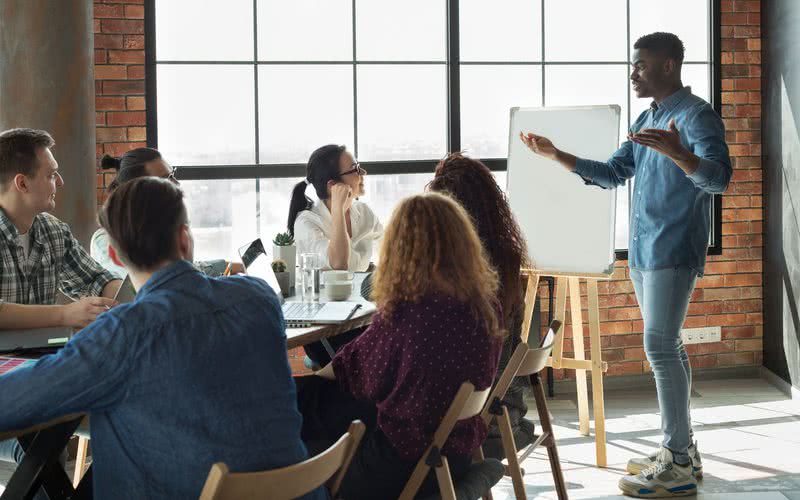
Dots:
pixel 635 469
pixel 658 491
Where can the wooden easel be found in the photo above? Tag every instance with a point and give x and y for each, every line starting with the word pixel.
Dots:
pixel 578 363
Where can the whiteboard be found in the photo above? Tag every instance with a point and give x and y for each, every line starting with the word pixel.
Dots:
pixel 568 225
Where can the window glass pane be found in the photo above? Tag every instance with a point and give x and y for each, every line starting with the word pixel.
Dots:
pixel 302 108
pixel 204 30
pixel 694 75
pixel 305 30
pixel 274 197
pixel 401 112
pixel 500 30
pixel 599 33
pixel 383 192
pixel 686 18
pixel 411 30
pixel 222 214
pixel 206 114
pixel 566 86
pixel 487 95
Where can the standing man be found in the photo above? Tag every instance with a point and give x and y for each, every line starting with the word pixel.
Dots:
pixel 38 253
pixel 677 151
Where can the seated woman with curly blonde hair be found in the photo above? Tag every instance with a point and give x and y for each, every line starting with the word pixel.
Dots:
pixel 438 325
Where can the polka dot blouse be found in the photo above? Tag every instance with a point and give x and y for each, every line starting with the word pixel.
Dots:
pixel 412 364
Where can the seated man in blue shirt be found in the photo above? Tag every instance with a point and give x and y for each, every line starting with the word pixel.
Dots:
pixel 677 151
pixel 193 372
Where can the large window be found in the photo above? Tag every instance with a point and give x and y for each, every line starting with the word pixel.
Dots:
pixel 240 92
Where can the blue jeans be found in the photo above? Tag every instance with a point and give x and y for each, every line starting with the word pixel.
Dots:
pixel 663 297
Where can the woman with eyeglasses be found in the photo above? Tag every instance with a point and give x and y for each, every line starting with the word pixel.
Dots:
pixel 139 162
pixel 337 227
pixel 142 162
pixel 341 230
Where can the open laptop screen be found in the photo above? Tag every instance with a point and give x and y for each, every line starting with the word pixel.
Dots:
pixel 257 263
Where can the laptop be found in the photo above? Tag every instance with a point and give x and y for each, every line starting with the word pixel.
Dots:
pixel 258 264
pixel 32 339
pixel 126 292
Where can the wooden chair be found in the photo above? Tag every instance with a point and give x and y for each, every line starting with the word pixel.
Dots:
pixel 83 451
pixel 529 362
pixel 466 404
pixel 329 467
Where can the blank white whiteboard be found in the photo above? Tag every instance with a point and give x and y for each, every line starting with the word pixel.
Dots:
pixel 568 225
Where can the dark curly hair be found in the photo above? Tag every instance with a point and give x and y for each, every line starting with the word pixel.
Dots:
pixel 472 184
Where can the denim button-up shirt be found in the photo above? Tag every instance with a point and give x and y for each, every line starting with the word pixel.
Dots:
pixel 670 214
pixel 193 372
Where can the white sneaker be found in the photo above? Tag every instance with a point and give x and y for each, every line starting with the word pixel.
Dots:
pixel 663 479
pixel 637 465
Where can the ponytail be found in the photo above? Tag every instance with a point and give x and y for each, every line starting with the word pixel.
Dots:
pixel 299 203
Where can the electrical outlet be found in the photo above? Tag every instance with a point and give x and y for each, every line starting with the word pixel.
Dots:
pixel 701 335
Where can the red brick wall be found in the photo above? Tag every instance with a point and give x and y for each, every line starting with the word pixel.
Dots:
pixel 730 295
pixel 119 80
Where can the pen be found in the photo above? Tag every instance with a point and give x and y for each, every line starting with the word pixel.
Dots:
pixel 227 270
pixel 356 308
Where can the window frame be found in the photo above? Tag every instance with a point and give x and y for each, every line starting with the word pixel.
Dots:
pixel 453 65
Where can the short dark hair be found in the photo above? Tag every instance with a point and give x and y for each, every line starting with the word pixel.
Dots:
pixel 18 148
pixel 129 166
pixel 141 218
pixel 665 44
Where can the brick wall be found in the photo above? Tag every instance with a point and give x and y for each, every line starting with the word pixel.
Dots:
pixel 119 80
pixel 730 295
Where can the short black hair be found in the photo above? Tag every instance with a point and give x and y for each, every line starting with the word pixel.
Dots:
pixel 142 217
pixel 18 148
pixel 665 44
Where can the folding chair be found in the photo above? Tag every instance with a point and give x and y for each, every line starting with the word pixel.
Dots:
pixel 466 404
pixel 529 362
pixel 289 482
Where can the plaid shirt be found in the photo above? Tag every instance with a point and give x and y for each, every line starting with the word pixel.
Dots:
pixel 56 260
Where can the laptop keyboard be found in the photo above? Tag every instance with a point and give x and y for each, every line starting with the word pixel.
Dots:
pixel 300 311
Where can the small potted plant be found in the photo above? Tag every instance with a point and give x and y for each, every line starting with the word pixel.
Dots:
pixel 279 267
pixel 283 248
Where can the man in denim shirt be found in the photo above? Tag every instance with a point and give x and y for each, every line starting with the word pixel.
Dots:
pixel 193 372
pixel 677 151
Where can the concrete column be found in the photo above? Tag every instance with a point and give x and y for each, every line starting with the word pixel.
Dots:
pixel 47 82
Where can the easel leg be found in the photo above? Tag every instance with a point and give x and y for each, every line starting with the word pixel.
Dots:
pixel 560 315
pixel 530 303
pixel 576 316
pixel 598 401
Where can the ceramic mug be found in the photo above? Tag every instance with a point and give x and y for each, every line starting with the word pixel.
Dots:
pixel 338 284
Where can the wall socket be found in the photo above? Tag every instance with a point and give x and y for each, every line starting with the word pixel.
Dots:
pixel 701 335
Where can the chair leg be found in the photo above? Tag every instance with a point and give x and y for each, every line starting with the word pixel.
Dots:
pixel 445 481
pixel 80 460
pixel 510 449
pixel 547 427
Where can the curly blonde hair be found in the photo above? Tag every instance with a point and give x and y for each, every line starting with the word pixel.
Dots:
pixel 430 245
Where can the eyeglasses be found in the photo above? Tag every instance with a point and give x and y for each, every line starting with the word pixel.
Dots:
pixel 356 167
pixel 172 176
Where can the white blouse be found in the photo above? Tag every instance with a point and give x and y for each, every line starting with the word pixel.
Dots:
pixel 313 228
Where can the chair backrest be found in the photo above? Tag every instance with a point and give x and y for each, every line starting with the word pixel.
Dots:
pixel 288 482
pixel 504 382
pixel 466 404
pixel 535 359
